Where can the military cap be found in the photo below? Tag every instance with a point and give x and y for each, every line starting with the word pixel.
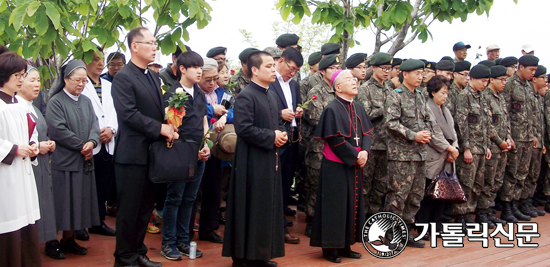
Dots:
pixel 492 47
pixel 243 56
pixel 287 39
pixel 527 48
pixel 488 63
pixel 460 45
pixel 220 50
pixel 274 51
pixel 380 59
pixel 355 60
pixel 480 71
pixel 396 62
pixel 447 58
pixel 498 71
pixel 330 48
pixel 412 64
pixel 498 60
pixel 314 58
pixel 445 65
pixel 528 60
pixel 509 61
pixel 429 65
pixel 541 70
pixel 462 65
pixel 425 61
pixel 328 61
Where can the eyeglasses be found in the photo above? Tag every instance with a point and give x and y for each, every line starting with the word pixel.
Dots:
pixel 463 74
pixel 352 80
pixel 18 75
pixel 385 69
pixel 502 80
pixel 209 80
pixel 361 67
pixel 333 68
pixel 152 43
pixel 426 71
pixel 120 65
pixel 513 67
pixel 83 81
pixel 292 70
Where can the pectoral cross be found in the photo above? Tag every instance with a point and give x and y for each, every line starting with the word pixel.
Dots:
pixel 356 139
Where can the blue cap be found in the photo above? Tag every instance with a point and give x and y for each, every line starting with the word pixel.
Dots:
pixel 460 45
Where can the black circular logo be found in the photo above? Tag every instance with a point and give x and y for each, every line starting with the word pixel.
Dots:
pixel 385 235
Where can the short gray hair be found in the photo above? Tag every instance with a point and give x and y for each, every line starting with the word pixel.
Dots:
pixel 209 64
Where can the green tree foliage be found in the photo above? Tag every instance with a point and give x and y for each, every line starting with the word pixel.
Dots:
pixel 395 22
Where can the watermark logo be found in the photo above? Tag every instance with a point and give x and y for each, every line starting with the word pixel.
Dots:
pixel 385 235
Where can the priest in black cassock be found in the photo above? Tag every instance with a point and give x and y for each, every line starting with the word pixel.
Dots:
pixel 254 215
pixel 339 210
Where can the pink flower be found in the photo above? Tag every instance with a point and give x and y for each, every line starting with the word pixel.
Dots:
pixel 314 97
pixel 232 72
pixel 212 121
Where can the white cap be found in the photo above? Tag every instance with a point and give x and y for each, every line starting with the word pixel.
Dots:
pixel 492 47
pixel 527 48
pixel 157 59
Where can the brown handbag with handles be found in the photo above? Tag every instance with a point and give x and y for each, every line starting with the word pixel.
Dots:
pixel 446 187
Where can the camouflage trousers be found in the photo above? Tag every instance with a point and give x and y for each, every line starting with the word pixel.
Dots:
pixel 545 185
pixel 470 176
pixel 534 169
pixel 517 170
pixel 493 178
pixel 375 181
pixel 406 183
pixel 312 181
pixel 300 185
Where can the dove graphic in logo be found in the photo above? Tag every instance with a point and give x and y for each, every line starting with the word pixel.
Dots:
pixel 385 235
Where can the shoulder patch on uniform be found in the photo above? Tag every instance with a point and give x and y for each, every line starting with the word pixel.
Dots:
pixel 399 90
pixel 420 92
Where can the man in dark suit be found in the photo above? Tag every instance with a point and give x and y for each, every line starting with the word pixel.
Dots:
pixel 137 99
pixel 288 92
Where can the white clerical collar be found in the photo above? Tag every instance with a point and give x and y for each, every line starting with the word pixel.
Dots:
pixel 73 97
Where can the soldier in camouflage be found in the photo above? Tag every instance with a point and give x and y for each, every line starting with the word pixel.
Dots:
pixel 393 81
pixel 545 186
pixel 372 95
pixel 461 77
pixel 519 97
pixel 500 142
pixel 241 79
pixel 357 64
pixel 472 121
pixel 429 73
pixel 408 129
pixel 324 94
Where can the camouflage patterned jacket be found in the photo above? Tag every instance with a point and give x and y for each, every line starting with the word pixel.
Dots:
pixel 406 114
pixel 373 97
pixel 308 83
pixel 450 103
pixel 472 120
pixel 519 96
pixel 499 126
pixel 538 119
pixel 239 82
pixel 388 84
pixel 546 102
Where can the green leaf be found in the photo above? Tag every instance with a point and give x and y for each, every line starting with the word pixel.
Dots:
pixel 176 35
pixel 87 46
pixel 185 35
pixel 349 28
pixel 4 5
pixel 88 57
pixel 61 48
pixel 285 11
pixel 209 143
pixel 148 2
pixel 53 14
pixel 193 8
pixel 41 23
pixel 17 16
pixel 401 13
pixel 125 12
pixel 423 36
pixel 31 9
pixel 316 16
pixel 202 23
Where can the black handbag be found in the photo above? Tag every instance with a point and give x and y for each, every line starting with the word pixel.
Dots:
pixel 446 187
pixel 175 163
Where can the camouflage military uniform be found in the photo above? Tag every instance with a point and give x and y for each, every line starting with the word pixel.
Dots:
pixel 407 114
pixel 375 179
pixel 314 151
pixel 424 90
pixel 546 180
pixel 472 120
pixel 308 83
pixel 388 84
pixel 450 103
pixel 499 132
pixel 238 81
pixel 537 116
pixel 518 95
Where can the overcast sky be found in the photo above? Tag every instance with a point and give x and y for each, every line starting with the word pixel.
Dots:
pixel 509 25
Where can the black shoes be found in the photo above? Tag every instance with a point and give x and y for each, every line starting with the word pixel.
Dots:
pixel 143 261
pixel 288 223
pixel 102 229
pixel 70 246
pixel 348 253
pixel 211 237
pixel 518 214
pixel 54 251
pixel 494 219
pixel 289 212
pixel 481 217
pixel 81 235
pixel 221 218
pixel 331 254
pixel 415 244
pixel 507 214
pixel 309 226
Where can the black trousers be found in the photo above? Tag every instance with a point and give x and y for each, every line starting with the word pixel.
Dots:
pixel 289 164
pixel 430 210
pixel 135 199
pixel 104 178
pixel 211 190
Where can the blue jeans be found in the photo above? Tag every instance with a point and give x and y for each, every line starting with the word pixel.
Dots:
pixel 178 207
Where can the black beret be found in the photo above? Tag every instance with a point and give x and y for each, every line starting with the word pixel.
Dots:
pixel 498 60
pixel 412 64
pixel 314 58
pixel 396 62
pixel 541 70
pixel 243 56
pixel 462 65
pixel 330 48
pixel 430 65
pixel 445 65
pixel 380 59
pixel 498 71
pixel 447 58
pixel 220 50
pixel 488 63
pixel 328 61
pixel 355 60
pixel 480 71
pixel 508 61
pixel 287 39
pixel 528 60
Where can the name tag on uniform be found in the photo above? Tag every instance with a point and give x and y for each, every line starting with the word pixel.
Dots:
pixel 473 118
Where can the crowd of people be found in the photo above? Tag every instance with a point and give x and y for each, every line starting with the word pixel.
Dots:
pixel 342 144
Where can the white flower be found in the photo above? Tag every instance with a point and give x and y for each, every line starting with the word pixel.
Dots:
pixel 179 91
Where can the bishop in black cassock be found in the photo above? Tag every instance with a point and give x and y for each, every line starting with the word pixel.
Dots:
pixel 339 209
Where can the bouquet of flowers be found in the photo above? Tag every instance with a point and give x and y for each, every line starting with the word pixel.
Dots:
pixel 306 104
pixel 176 110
